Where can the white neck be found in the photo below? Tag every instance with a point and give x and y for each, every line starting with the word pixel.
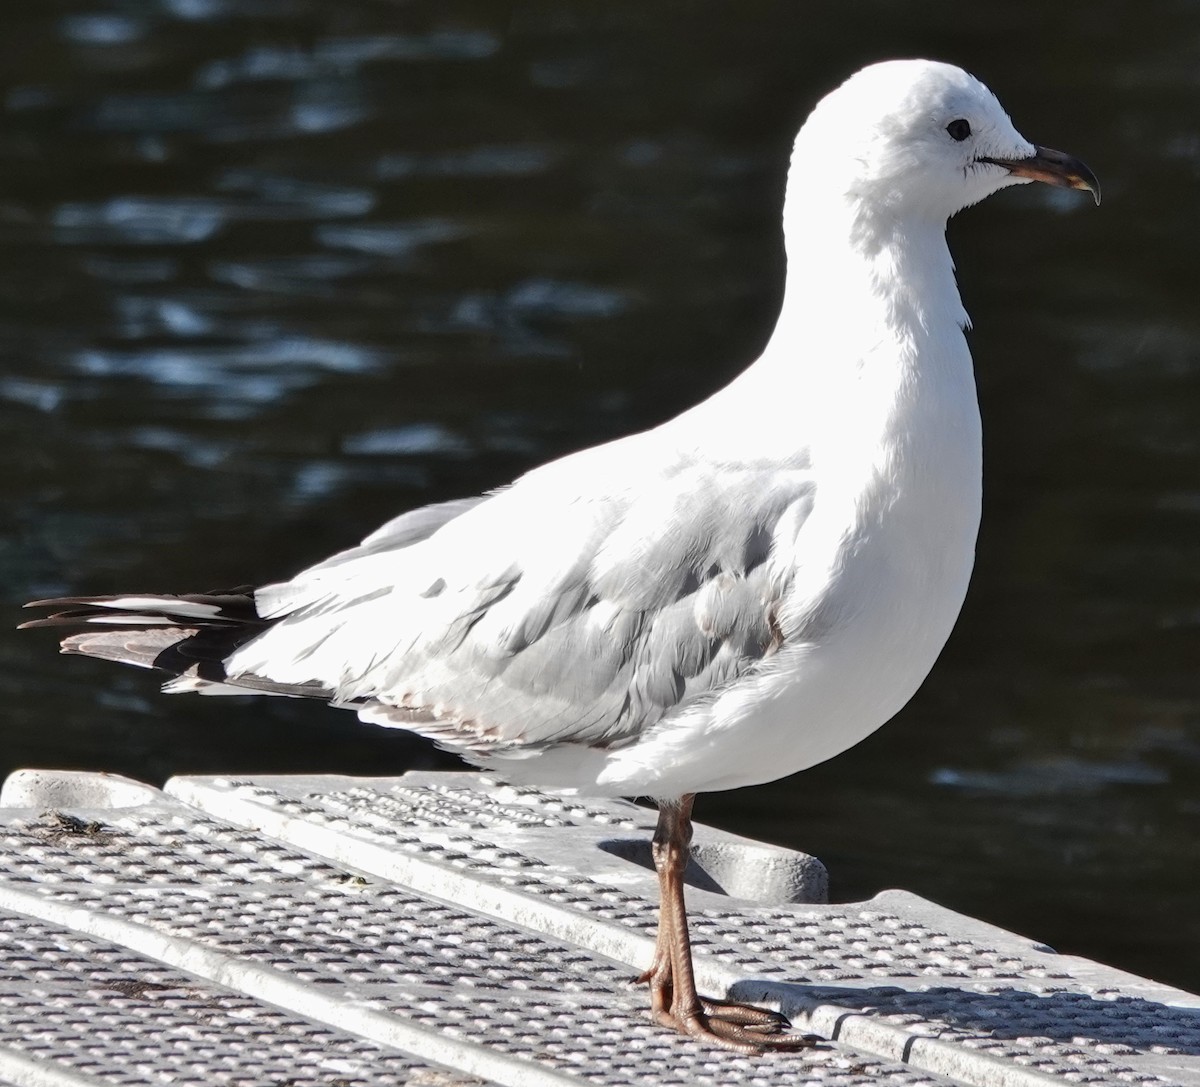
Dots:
pixel 892 264
pixel 871 319
pixel 868 349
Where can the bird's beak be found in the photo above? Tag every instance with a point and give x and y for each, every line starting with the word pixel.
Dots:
pixel 1052 167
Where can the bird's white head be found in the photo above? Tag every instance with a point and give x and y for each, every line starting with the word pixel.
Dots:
pixel 911 138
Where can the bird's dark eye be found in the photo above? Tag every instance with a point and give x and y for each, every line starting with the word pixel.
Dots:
pixel 959 130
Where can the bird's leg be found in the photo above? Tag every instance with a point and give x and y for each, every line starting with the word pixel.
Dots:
pixel 673 997
pixel 659 976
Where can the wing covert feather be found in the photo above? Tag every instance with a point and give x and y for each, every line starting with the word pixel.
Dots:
pixel 501 633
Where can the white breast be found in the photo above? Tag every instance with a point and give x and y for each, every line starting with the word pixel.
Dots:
pixel 881 569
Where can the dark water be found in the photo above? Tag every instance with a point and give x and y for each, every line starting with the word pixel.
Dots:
pixel 274 270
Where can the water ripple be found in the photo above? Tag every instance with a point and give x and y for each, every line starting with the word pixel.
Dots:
pixel 343 56
pixel 1050 777
pixel 212 10
pixel 253 374
pixel 193 451
pixel 279 197
pixel 140 220
pixel 305 275
pixel 42 395
pixel 101 28
pixel 508 315
pixel 410 440
pixel 490 160
pixel 139 317
pixel 396 240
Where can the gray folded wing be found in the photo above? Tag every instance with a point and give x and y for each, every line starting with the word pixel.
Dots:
pixel 542 616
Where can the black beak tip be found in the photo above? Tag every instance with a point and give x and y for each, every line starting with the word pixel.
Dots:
pixel 1082 178
pixel 1053 168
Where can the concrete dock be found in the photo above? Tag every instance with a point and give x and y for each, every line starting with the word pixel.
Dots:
pixel 440 929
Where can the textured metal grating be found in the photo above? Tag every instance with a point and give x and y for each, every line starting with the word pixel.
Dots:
pixel 97 1009
pixel 490 934
pixel 458 973
pixel 1080 1035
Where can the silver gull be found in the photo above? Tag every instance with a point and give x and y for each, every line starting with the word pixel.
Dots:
pixel 736 595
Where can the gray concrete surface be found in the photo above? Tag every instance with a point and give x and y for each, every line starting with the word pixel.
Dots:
pixel 440 929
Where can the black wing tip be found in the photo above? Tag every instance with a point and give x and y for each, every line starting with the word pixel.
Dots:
pixel 45 621
pixel 74 617
pixel 78 601
pixel 226 607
